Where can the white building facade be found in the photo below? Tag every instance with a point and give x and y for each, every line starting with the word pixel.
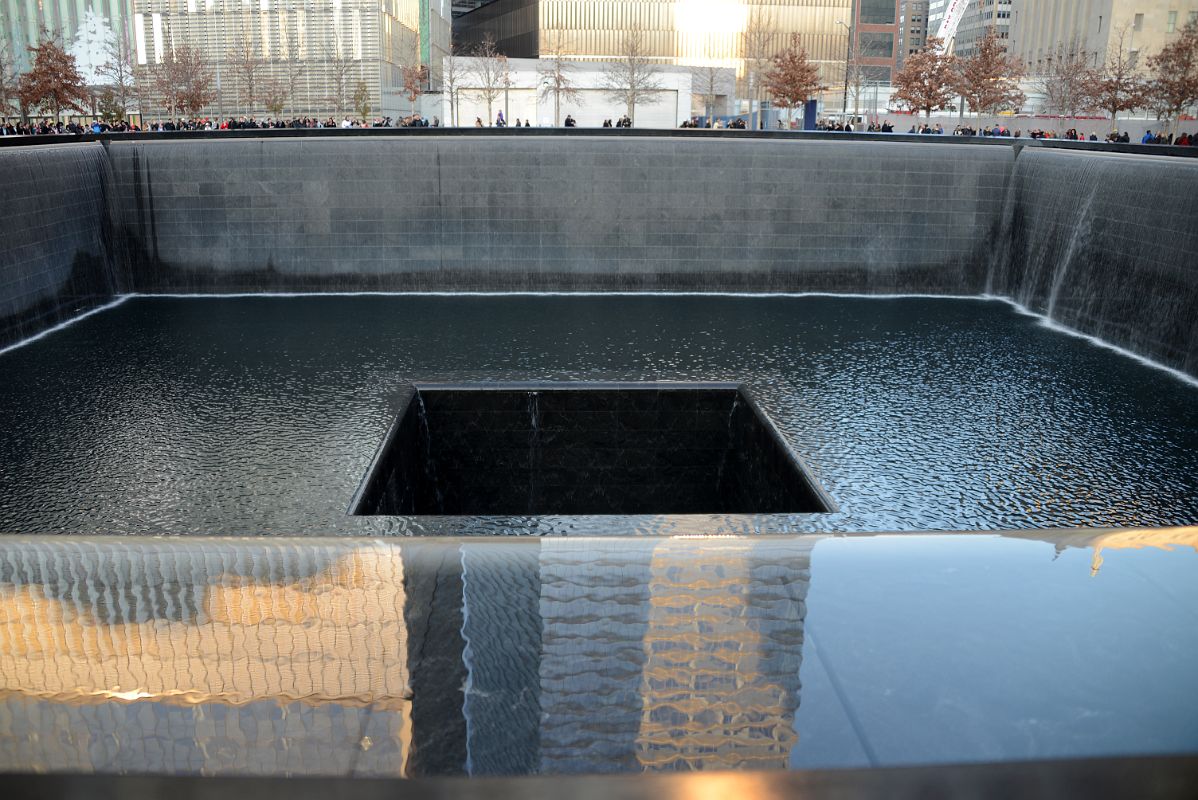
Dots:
pixel 525 96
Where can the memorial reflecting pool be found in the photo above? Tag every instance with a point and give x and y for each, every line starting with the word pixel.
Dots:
pixel 595 643
pixel 262 415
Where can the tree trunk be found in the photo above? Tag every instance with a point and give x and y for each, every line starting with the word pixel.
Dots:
pixel 631 112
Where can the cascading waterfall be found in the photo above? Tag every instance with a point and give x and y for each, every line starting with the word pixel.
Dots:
pixel 534 441
pixel 719 477
pixel 430 466
pixel 1102 244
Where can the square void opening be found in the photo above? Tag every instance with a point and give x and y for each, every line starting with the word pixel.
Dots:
pixel 566 449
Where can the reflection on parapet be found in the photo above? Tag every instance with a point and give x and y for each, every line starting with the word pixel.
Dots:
pixel 594 609
pixel 723 650
pixel 379 658
pixel 1120 539
pixel 209 659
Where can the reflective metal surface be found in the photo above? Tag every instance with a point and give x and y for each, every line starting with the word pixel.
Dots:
pixel 261 415
pixel 426 657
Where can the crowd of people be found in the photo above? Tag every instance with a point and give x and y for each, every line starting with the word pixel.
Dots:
pixel 251 123
pixel 622 122
pixel 47 127
pixel 736 123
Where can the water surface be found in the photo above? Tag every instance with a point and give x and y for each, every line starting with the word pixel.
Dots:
pixel 260 415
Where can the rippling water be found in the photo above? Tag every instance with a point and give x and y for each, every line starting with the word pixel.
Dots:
pixel 261 415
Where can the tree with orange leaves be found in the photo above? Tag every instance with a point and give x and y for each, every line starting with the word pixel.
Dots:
pixel 927 81
pixel 793 80
pixel 1174 85
pixel 989 79
pixel 54 83
pixel 183 82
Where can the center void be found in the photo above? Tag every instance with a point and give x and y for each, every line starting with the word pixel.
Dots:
pixel 595 448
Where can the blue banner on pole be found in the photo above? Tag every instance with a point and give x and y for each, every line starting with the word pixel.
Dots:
pixel 809 115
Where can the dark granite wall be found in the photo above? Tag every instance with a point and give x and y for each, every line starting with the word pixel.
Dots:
pixel 1099 242
pixel 499 213
pixel 54 250
pixel 1106 244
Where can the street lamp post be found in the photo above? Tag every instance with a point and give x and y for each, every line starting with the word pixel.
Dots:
pixel 848 49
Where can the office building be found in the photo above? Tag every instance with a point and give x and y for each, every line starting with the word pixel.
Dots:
pixel 980 17
pixel 679 32
pixel 913 28
pixel 1040 28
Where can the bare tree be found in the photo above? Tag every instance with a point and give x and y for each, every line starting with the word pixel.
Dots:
pixel 489 68
pixel 453 74
pixel 794 79
pixel 632 77
pixel 925 83
pixel 118 76
pixel 341 69
pixel 9 80
pixel 183 82
pixel 1174 85
pixel 759 42
pixel 711 81
pixel 248 67
pixel 1064 81
pixel 505 80
pixel 292 65
pixel 554 71
pixel 858 74
pixel 1117 84
pixel 273 93
pixel 989 79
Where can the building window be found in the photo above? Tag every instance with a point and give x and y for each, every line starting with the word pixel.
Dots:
pixel 875 45
pixel 875 74
pixel 877 12
pixel 1171 25
pixel 139 37
pixel 156 20
pixel 1138 23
